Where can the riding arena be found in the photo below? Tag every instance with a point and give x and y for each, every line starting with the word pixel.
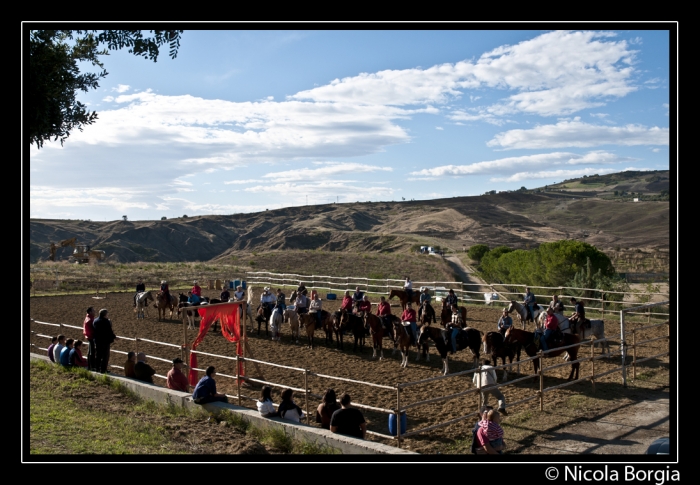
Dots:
pixel 439 408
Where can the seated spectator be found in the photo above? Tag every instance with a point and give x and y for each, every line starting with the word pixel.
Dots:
pixel 176 379
pixel 60 345
pixel 205 390
pixel 129 365
pixel 143 371
pixel 265 405
pixel 54 340
pixel 75 357
pixel 325 410
pixel 64 358
pixel 288 408
pixel 348 420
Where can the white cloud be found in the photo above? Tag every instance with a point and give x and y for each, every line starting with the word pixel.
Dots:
pixel 324 190
pixel 579 134
pixel 439 128
pixel 473 98
pixel 599 115
pixel 553 174
pixel 636 41
pixel 45 199
pixel 241 182
pixel 121 88
pixel 108 99
pixel 542 160
pixel 329 170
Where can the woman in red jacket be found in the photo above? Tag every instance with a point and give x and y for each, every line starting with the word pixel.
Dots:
pixel 409 316
pixel 347 302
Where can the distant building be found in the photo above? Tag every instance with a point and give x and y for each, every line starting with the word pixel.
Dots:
pixel 635 199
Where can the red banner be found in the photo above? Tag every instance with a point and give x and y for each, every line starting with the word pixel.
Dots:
pixel 229 316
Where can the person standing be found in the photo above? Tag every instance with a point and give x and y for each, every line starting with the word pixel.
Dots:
pixel 348 420
pixel 225 295
pixel 196 289
pixel 176 379
pixel 205 390
pixel 104 336
pixel 140 288
pixel 143 371
pixel 89 335
pixel 486 379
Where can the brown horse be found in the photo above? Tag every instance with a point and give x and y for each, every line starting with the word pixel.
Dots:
pixel 526 339
pixel 467 338
pixel 377 331
pixel 403 296
pixel 164 305
pixel 342 321
pixel 495 346
pixel 446 315
pixel 308 320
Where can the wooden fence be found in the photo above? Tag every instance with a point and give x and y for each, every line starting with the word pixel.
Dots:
pixel 402 406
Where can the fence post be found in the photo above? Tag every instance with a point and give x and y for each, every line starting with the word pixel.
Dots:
pixel 592 364
pixel 238 381
pixel 387 286
pixel 479 395
pixel 541 362
pixel 623 345
pixel 398 416
pixel 306 393
pixel 634 354
pixel 602 305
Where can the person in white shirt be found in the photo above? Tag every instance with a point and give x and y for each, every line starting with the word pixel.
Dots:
pixel 486 378
pixel 60 345
pixel 267 299
pixel 315 309
pixel 302 303
pixel 408 287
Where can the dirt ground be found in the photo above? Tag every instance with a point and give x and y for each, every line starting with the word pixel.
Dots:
pixel 325 359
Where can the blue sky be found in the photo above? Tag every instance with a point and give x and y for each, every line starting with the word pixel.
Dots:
pixel 243 121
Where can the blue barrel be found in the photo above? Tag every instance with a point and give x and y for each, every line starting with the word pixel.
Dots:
pixel 230 285
pixel 236 284
pixel 331 296
pixel 243 285
pixel 392 424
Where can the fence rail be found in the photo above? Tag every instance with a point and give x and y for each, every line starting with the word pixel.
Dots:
pixel 401 407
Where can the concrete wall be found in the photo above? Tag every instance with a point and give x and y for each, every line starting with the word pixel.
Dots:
pixel 298 431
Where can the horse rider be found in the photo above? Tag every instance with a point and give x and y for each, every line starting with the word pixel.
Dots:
pixel 239 294
pixel 384 312
pixel 280 305
pixel 425 304
pixel 409 317
pixel 267 300
pixel 449 300
pixel 578 318
pixel 165 291
pixel 529 301
pixel 505 322
pixel 556 304
pixel 315 308
pixel 196 289
pixel 193 299
pixel 347 302
pixel 357 297
pixel 454 326
pixel 551 324
pixel 140 288
pixel 301 289
pixel 408 288
pixel 302 303
pixel 364 306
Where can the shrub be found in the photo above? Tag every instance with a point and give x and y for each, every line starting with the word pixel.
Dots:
pixel 478 251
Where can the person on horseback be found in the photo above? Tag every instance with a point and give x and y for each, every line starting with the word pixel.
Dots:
pixel 408 288
pixel 505 322
pixel 384 312
pixel 165 291
pixel 357 297
pixel 529 301
pixel 315 309
pixel 578 318
pixel 239 294
pixel 454 326
pixel 556 304
pixel 364 306
pixel 140 288
pixel 267 300
pixel 409 316
pixel 425 304
pixel 193 299
pixel 196 289
pixel 280 305
pixel 301 289
pixel 551 324
pixel 450 300
pixel 302 303
pixel 347 302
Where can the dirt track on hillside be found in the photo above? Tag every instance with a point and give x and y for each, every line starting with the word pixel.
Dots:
pixel 324 359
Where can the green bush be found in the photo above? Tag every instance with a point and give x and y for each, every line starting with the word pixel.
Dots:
pixel 478 251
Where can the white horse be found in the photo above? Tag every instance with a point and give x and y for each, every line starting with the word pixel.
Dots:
pixel 276 320
pixel 596 329
pixel 522 313
pixel 249 308
pixel 142 300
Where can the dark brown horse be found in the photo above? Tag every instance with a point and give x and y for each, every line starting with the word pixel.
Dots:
pixel 446 315
pixel 377 331
pixel 348 321
pixel 526 339
pixel 467 338
pixel 263 315
pixel 495 346
pixel 403 296
pixel 165 305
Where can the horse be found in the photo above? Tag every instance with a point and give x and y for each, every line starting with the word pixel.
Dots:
pixel 426 316
pixel 523 313
pixel 308 320
pixel 164 305
pixel 596 328
pixel 446 315
pixel 377 331
pixel 344 320
pixel 526 339
pixel 276 320
pixel 467 338
pixel 263 315
pixel 291 316
pixel 142 300
pixel 399 341
pixel 403 296
pixel 496 347
pixel 328 329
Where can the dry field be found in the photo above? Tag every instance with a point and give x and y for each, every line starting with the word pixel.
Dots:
pixel 326 359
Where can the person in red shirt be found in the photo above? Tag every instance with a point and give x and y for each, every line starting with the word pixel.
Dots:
pixel 365 305
pixel 75 357
pixel 551 323
pixel 176 379
pixel 384 312
pixel 347 302
pixel 89 334
pixel 409 316
pixel 196 289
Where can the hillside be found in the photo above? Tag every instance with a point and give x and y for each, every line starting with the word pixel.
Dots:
pixel 520 219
